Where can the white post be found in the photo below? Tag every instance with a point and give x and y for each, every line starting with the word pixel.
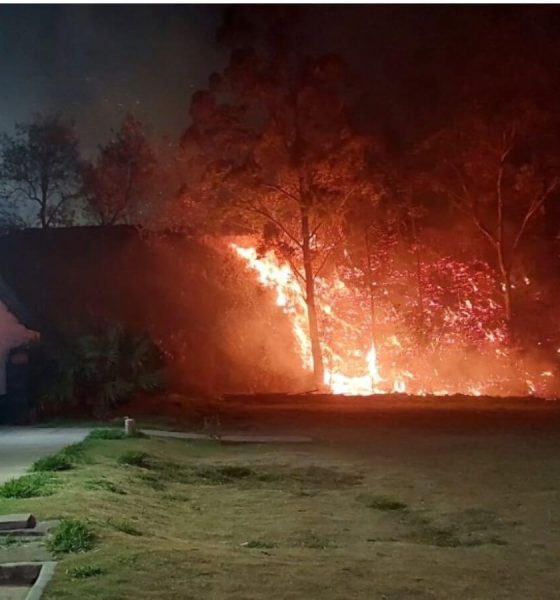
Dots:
pixel 129 426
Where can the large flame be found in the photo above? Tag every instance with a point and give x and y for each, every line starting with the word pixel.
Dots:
pixel 290 297
pixel 352 362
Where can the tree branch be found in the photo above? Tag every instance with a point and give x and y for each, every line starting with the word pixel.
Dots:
pixel 265 213
pixel 470 208
pixel 533 208
pixel 282 191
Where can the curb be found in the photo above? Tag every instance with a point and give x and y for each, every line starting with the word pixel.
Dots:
pixel 231 438
pixel 45 575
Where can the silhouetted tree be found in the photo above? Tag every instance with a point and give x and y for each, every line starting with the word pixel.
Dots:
pixel 40 171
pixel 120 181
pixel 272 149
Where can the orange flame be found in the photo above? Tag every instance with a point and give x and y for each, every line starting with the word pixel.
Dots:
pixel 350 367
pixel 290 297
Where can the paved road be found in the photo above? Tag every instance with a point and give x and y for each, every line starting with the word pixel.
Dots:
pixel 20 446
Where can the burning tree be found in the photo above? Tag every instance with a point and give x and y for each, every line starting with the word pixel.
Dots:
pixel 495 172
pixel 271 149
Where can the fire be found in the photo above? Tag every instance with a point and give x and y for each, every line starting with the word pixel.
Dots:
pixel 280 279
pixel 290 297
pixel 468 354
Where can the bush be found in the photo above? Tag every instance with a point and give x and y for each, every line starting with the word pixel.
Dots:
pixel 135 459
pixel 54 462
pixel 99 370
pixel 28 486
pixel 72 535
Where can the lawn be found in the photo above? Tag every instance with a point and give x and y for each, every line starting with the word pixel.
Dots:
pixel 394 516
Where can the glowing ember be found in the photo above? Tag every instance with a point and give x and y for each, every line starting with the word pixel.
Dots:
pixel 468 352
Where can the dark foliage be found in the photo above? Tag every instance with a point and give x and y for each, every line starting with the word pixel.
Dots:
pixel 97 371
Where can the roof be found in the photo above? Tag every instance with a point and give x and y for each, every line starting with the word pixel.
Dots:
pixel 53 277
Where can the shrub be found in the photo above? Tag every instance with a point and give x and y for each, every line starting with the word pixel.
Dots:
pixel 135 459
pixel 72 535
pixel 53 462
pixel 29 486
pixel 100 369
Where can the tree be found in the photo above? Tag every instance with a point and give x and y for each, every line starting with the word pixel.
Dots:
pixel 121 180
pixel 40 171
pixel 497 158
pixel 272 150
pixel 499 172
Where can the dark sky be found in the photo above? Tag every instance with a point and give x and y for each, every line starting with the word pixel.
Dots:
pixel 95 62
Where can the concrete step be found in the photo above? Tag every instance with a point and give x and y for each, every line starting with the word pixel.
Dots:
pixel 17 521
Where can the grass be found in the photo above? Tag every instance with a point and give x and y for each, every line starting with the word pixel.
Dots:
pixel 107 433
pixel 54 462
pixel 385 503
pixel 103 484
pixel 259 544
pixel 85 571
pixel 29 486
pixel 76 453
pixel 113 433
pixel 220 474
pixel 206 520
pixel 124 526
pixel 135 458
pixel 72 535
pixel 10 540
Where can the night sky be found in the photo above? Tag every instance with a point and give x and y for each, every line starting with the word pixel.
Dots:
pixel 93 63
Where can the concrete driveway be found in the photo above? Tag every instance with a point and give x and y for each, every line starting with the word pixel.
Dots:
pixel 21 446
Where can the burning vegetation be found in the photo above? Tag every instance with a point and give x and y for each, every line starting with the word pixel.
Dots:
pixel 400 271
pixel 353 249
pixel 469 350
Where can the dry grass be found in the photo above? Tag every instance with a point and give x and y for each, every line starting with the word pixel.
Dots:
pixel 408 518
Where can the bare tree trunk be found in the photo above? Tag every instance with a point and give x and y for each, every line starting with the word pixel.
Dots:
pixel 419 284
pixel 369 273
pixel 318 368
pixel 505 268
pixel 505 273
pixel 43 216
pixel 43 203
